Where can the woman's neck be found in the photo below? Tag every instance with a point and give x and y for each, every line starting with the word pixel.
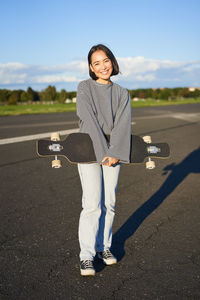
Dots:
pixel 102 81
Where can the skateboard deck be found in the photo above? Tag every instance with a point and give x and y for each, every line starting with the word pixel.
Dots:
pixel 78 148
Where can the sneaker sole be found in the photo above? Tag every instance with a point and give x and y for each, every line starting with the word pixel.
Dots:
pixel 87 272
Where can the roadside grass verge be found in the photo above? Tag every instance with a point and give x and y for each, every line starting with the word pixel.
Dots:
pixel 41 108
pixel 153 102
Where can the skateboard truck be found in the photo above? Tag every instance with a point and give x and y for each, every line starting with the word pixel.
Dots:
pixel 56 163
pixel 55 147
pixel 153 149
pixel 150 164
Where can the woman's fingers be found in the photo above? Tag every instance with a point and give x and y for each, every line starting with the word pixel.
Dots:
pixel 109 161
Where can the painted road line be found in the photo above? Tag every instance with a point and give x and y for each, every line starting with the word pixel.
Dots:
pixel 35 136
pixel 39 124
pixel 153 117
pixel 194 117
pixel 190 117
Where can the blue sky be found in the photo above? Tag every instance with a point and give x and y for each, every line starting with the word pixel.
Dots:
pixel 46 42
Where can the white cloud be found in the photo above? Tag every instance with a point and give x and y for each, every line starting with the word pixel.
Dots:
pixel 13 67
pixel 136 65
pixel 147 77
pixel 13 72
pixel 141 65
pixel 72 67
pixel 78 66
pixel 136 72
pixel 7 78
pixel 54 79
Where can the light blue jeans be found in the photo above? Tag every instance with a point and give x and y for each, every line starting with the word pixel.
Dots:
pixel 99 184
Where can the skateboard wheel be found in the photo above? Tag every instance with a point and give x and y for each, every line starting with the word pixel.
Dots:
pixel 147 139
pixel 55 136
pixel 150 165
pixel 56 164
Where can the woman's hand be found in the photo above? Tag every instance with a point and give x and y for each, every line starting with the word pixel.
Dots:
pixel 109 161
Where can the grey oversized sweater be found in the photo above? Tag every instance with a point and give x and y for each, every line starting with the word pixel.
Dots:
pixel 105 109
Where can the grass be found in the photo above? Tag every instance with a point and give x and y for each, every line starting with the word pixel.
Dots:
pixel 153 102
pixel 27 109
pixel 24 109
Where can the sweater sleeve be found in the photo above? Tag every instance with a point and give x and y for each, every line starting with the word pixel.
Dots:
pixel 90 124
pixel 120 137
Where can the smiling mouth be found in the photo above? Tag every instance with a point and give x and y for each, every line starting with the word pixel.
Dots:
pixel 105 72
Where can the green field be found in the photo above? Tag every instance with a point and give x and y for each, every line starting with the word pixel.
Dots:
pixel 24 109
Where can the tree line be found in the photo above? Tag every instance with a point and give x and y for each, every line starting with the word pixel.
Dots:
pixel 30 96
pixel 165 93
pixel 50 94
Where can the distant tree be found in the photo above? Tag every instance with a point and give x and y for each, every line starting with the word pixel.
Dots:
pixel 184 92
pixel 4 96
pixel 71 95
pixel 155 94
pixel 136 93
pixel 175 92
pixel 165 94
pixel 14 98
pixel 141 94
pixel 49 94
pixel 194 94
pixel 149 93
pixel 132 93
pixel 32 95
pixel 62 96
pixel 24 97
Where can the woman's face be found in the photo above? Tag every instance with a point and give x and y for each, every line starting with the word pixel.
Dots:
pixel 101 65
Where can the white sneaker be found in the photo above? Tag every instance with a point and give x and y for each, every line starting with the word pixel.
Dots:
pixel 87 268
pixel 107 257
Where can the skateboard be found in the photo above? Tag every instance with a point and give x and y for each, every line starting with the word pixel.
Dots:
pixel 78 148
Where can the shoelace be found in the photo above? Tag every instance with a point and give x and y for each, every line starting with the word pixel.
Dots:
pixel 107 254
pixel 87 264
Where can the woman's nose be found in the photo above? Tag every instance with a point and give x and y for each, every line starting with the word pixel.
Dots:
pixel 103 66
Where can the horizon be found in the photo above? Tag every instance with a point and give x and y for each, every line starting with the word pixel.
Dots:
pixel 190 88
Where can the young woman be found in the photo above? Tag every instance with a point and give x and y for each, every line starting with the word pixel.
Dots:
pixel 103 108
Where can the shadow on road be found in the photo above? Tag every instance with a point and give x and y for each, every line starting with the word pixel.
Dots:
pixel 191 164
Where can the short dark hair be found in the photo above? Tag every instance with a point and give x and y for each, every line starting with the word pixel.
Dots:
pixel 109 54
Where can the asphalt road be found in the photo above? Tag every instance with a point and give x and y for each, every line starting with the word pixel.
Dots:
pixel 156 233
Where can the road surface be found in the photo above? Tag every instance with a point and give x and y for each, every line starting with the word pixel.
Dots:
pixel 156 233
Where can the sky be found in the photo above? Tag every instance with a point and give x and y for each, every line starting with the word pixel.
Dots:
pixel 46 42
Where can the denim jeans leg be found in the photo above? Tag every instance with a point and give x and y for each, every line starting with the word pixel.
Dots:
pixel 91 181
pixel 110 180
